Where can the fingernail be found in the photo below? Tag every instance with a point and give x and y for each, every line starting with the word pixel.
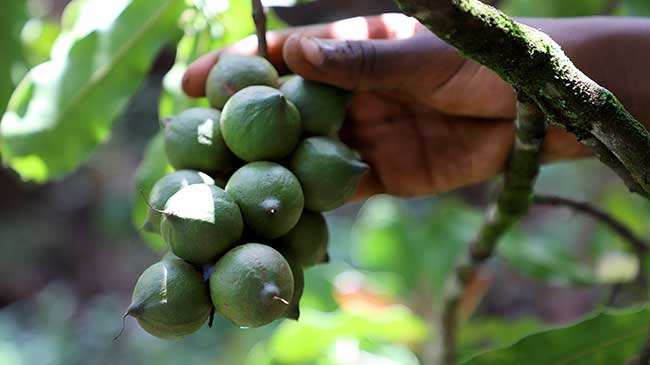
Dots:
pixel 312 50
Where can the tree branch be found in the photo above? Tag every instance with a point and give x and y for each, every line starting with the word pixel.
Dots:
pixel 259 17
pixel 535 65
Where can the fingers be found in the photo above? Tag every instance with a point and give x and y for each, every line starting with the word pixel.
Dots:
pixel 372 64
pixel 388 26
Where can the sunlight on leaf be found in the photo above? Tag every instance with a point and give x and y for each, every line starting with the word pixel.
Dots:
pixel 66 106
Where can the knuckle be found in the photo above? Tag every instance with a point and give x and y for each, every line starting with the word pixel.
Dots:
pixel 355 60
pixel 363 56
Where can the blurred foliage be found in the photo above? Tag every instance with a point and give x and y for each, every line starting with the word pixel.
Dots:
pixel 418 249
pixel 318 332
pixel 60 330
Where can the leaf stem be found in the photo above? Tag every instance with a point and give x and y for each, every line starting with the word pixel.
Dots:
pixel 259 17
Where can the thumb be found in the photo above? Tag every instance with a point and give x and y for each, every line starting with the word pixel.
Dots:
pixel 372 64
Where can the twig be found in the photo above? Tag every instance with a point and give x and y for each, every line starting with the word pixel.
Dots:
pixel 512 204
pixel 520 176
pixel 259 17
pixel 450 319
pixel 534 64
pixel 638 244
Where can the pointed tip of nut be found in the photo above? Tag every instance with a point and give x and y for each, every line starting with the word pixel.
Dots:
pixel 293 314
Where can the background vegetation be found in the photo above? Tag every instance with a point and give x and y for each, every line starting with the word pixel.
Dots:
pixel 73 252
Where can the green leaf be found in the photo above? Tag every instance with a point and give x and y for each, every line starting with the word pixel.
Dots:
pixel 153 167
pixel 12 17
pixel 64 108
pixel 480 335
pixel 604 339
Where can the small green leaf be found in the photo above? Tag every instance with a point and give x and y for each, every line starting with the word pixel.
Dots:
pixel 65 107
pixel 604 339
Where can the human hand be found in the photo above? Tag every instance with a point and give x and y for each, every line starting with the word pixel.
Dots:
pixel 425 119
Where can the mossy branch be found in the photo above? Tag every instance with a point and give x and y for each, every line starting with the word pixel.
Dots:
pixel 535 65
pixel 259 17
